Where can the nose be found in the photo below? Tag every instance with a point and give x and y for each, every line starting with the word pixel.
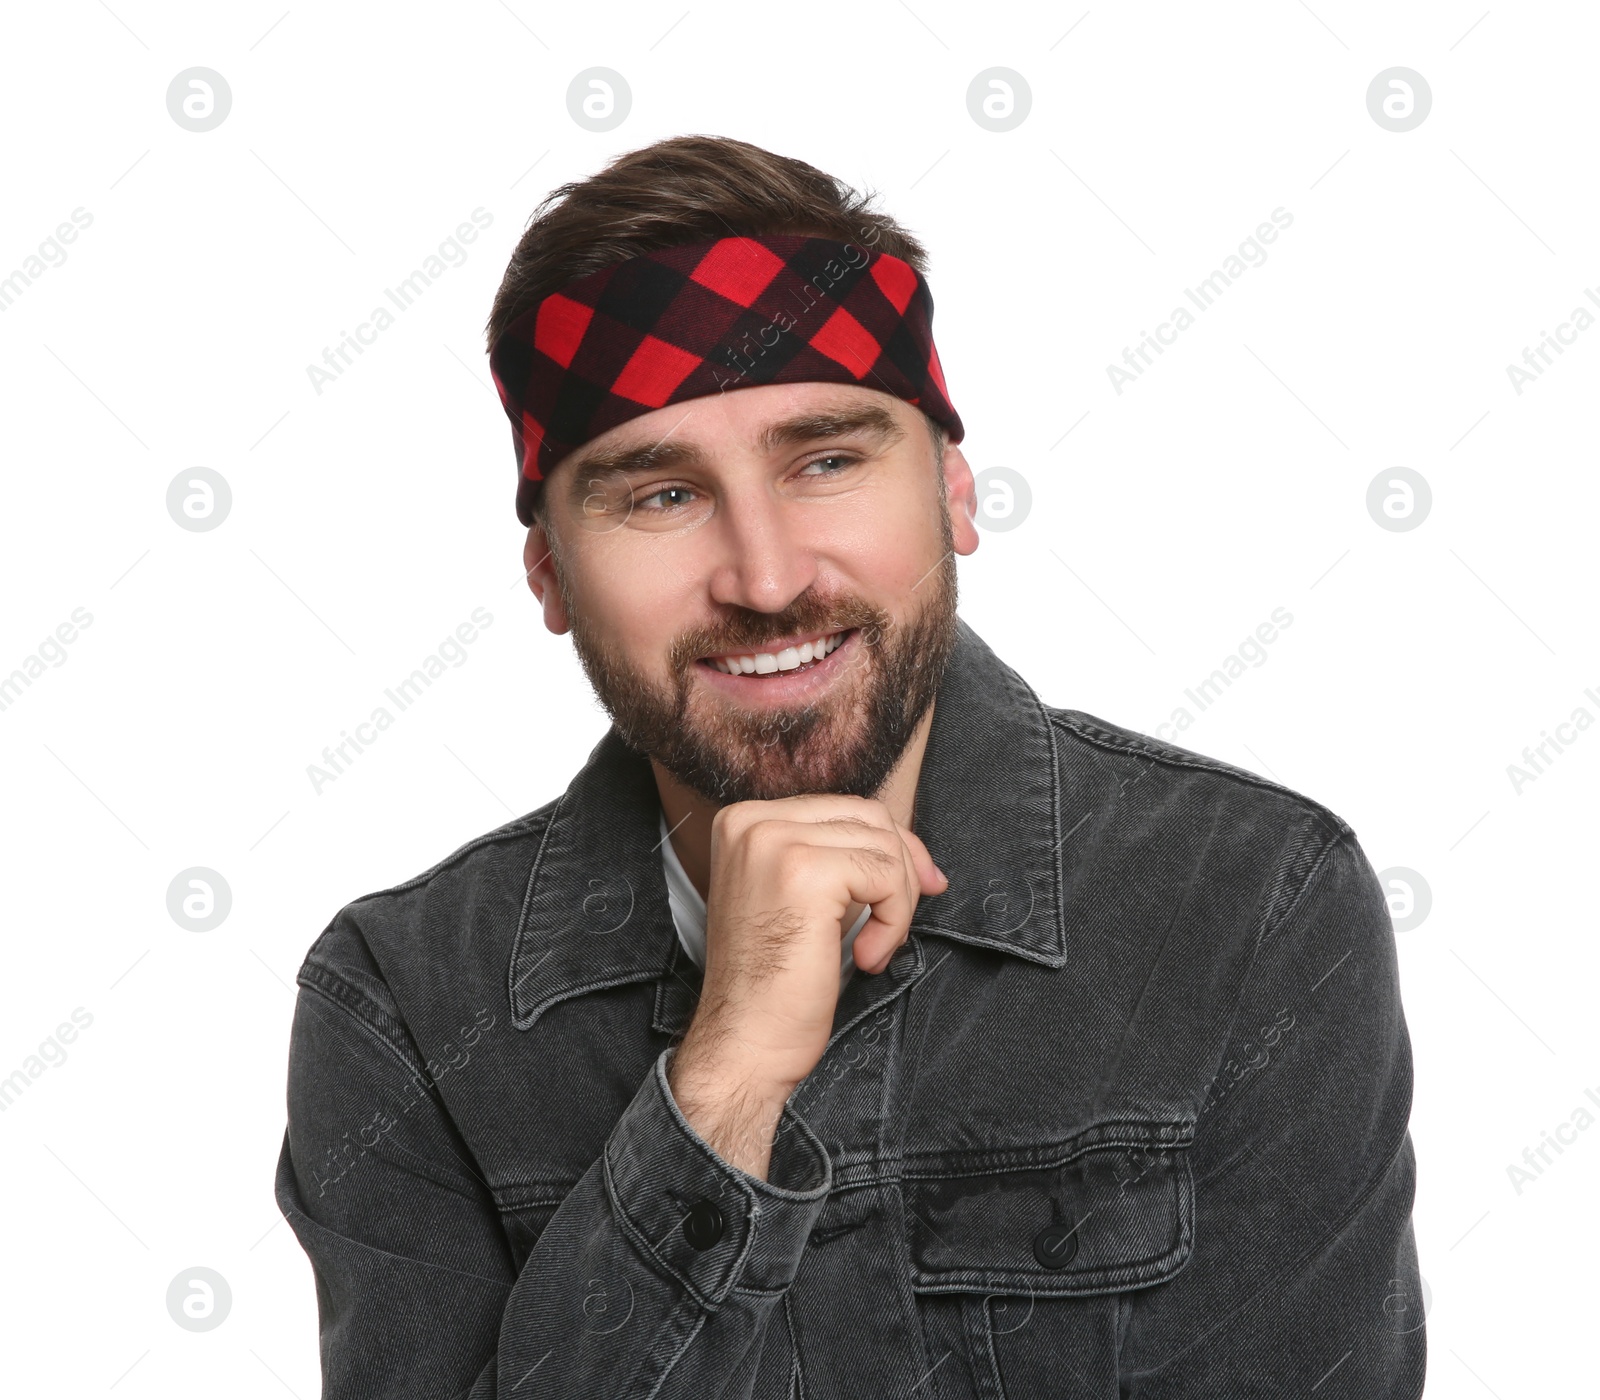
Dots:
pixel 762 560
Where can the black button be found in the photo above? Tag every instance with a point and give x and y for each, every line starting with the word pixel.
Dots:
pixel 1056 1246
pixel 702 1226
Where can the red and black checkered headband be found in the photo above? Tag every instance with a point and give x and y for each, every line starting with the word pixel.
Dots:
pixel 705 317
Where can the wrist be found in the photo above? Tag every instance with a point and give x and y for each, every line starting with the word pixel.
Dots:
pixel 708 1076
pixel 735 1117
pixel 707 1066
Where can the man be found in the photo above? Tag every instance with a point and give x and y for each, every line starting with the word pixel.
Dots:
pixel 855 1024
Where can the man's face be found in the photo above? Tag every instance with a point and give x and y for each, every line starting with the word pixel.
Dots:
pixel 760 584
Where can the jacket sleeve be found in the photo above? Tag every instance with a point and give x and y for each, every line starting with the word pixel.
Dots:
pixel 417 1292
pixel 1303 1277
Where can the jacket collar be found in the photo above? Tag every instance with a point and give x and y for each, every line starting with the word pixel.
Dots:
pixel 988 807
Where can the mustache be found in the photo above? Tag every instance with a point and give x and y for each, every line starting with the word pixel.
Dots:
pixel 745 629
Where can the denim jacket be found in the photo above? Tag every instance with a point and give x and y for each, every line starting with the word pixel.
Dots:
pixel 1125 1116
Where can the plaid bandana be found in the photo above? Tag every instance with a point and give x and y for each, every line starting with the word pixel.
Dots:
pixel 705 317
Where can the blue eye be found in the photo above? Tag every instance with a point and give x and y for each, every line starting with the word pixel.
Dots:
pixel 833 457
pixel 661 491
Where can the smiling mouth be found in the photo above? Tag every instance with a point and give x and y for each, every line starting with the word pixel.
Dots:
pixel 792 656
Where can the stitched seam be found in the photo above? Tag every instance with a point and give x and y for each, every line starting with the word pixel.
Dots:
pixel 515 830
pixel 512 830
pixel 355 1004
pixel 397 1154
pixel 1051 1153
pixel 1299 901
pixel 1272 931
pixel 527 901
pixel 634 1231
pixel 362 1008
pixel 1116 743
pixel 1281 894
pixel 1295 908
pixel 390 1254
pixel 1057 856
pixel 652 1354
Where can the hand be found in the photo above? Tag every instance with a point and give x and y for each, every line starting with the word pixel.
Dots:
pixel 788 877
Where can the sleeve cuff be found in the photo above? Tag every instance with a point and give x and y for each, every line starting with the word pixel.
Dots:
pixel 701 1219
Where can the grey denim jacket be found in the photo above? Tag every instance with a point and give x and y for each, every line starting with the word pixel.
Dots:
pixel 1126 1116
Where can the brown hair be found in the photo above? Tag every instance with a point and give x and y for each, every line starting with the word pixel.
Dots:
pixel 682 190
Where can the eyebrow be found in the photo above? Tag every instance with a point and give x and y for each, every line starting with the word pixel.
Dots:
pixel 868 420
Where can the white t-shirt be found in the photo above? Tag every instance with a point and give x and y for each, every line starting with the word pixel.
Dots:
pixel 689 911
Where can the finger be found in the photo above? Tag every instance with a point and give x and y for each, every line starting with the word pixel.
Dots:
pixel 838 810
pixel 894 883
pixel 867 874
pixel 887 927
pixel 888 924
pixel 867 960
pixel 931 879
pixel 815 807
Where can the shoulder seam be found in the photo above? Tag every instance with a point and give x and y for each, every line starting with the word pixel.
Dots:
pixel 347 1000
pixel 512 830
pixel 1268 927
pixel 370 1015
pixel 1173 758
pixel 1298 901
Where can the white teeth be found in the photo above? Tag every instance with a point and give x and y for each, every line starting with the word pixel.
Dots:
pixel 766 662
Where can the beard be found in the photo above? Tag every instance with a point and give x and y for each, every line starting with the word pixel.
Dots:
pixel 846 741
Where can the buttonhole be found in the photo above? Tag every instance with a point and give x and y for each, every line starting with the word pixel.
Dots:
pixel 823 1233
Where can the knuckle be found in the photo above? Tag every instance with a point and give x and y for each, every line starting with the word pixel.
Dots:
pixel 761 834
pixel 728 822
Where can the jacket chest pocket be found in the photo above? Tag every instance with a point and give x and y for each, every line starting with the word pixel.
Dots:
pixel 1017 1255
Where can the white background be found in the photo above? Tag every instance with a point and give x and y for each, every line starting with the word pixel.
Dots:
pixel 1167 522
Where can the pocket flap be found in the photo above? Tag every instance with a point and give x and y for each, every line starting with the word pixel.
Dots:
pixel 1110 1209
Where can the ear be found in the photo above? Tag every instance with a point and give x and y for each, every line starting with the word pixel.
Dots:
pixel 962 495
pixel 539 565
